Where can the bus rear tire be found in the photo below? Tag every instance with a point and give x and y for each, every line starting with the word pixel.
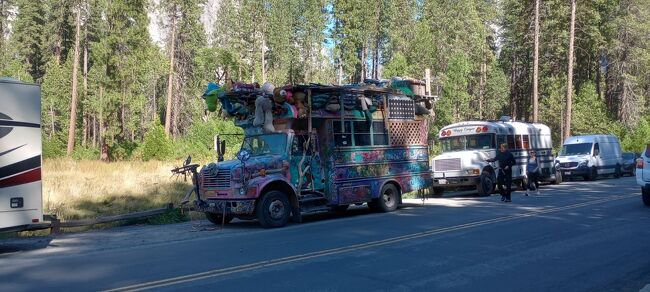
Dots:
pixel 558 178
pixel 485 186
pixel 387 201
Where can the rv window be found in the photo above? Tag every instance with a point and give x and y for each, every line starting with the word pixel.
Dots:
pixel 511 142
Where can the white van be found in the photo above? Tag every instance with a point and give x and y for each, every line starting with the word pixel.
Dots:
pixel 590 156
pixel 467 145
pixel 21 202
pixel 643 175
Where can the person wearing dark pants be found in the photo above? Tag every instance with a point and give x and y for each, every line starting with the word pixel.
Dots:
pixel 504 180
pixel 532 172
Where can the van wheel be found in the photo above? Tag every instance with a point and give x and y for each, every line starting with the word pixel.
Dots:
pixel 645 194
pixel 273 209
pixel 593 174
pixel 216 219
pixel 387 201
pixel 485 186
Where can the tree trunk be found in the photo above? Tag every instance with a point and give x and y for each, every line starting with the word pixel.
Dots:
pixel 569 91
pixel 85 95
pixel 170 81
pixel 73 102
pixel 536 66
pixel 263 61
pixel 513 86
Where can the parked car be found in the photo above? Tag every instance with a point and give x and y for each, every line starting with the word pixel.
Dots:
pixel 628 166
pixel 590 156
pixel 643 175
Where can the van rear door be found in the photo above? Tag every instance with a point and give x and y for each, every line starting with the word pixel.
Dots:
pixel 646 164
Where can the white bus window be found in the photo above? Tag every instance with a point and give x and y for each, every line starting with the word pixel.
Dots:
pixel 526 141
pixel 511 142
pixel 501 139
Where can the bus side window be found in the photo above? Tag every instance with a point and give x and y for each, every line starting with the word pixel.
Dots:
pixel 342 136
pixel 511 142
pixel 526 142
pixel 501 139
pixel 523 142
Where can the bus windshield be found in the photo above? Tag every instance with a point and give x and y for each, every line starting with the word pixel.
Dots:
pixel 469 142
pixel 272 144
pixel 576 149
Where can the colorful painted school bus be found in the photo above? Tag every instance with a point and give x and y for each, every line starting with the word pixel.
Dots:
pixel 333 147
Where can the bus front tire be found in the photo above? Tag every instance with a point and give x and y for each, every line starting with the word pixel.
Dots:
pixel 438 192
pixel 485 186
pixel 387 201
pixel 273 209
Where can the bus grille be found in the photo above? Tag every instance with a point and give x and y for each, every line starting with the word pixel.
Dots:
pixel 568 164
pixel 447 164
pixel 219 181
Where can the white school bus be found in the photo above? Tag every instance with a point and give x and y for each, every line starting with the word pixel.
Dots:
pixel 21 203
pixel 467 145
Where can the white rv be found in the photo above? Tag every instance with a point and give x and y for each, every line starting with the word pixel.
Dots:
pixel 467 145
pixel 20 155
pixel 590 156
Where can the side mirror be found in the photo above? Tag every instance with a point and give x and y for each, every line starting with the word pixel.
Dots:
pixel 243 155
pixel 219 147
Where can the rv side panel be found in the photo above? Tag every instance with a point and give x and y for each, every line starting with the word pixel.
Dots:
pixel 20 155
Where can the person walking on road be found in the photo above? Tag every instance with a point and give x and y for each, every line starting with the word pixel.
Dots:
pixel 506 162
pixel 532 172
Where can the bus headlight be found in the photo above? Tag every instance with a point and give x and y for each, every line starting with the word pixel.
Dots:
pixel 473 171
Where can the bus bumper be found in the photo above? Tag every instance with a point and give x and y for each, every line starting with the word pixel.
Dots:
pixel 455 182
pixel 235 207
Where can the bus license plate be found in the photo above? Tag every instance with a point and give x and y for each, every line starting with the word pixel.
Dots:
pixel 442 181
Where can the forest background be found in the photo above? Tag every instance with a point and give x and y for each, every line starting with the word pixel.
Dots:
pixel 122 79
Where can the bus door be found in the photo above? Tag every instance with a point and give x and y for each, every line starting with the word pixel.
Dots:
pixel 302 146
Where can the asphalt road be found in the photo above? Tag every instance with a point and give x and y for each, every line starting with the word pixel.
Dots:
pixel 578 236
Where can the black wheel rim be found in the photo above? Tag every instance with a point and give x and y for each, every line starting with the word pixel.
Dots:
pixel 276 209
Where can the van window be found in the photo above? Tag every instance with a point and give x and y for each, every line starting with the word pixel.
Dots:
pixel 596 149
pixel 576 149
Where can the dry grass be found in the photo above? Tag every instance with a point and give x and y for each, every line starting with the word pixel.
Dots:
pixel 88 189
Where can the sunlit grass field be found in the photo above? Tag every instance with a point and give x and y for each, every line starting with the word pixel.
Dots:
pixel 88 189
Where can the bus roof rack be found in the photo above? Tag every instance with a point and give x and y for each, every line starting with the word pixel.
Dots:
pixel 506 119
